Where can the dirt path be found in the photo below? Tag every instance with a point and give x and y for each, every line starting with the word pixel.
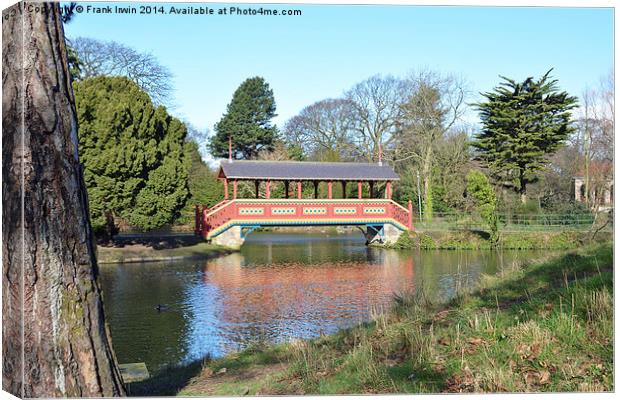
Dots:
pixel 248 381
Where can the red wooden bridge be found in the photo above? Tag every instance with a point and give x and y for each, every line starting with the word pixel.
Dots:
pixel 228 222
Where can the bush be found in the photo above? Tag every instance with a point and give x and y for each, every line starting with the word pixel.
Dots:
pixel 404 242
pixel 427 242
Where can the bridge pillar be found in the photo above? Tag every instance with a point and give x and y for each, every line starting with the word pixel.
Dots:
pixel 231 238
pixel 299 190
pixel 359 190
pixel 381 235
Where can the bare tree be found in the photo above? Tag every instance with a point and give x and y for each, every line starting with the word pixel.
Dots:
pixel 54 338
pixel 595 138
pixel 324 130
pixel 114 59
pixel 376 111
pixel 435 104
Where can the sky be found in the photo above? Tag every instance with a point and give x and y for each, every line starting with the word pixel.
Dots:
pixel 329 48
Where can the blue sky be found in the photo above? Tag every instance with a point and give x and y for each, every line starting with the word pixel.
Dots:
pixel 330 48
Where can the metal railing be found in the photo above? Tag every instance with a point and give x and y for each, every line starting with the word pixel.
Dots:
pixel 506 222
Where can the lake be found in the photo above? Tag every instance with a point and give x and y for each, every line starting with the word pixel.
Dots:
pixel 279 287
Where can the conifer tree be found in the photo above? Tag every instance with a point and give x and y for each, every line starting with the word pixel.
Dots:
pixel 247 121
pixel 132 152
pixel 523 123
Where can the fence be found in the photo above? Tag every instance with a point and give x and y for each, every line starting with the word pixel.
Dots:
pixel 509 222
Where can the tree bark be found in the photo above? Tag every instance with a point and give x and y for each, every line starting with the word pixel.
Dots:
pixel 54 336
pixel 426 177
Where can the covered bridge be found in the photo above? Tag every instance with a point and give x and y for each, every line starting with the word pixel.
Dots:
pixel 228 222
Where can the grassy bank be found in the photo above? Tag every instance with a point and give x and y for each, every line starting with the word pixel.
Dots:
pixel 479 240
pixel 157 248
pixel 541 327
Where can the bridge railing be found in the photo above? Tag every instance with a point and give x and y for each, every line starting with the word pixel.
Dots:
pixel 304 210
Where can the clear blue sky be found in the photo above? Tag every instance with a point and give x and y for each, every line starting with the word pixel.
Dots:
pixel 329 48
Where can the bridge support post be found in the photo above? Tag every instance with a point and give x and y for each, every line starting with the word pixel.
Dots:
pixel 329 190
pixel 359 190
pixel 381 235
pixel 231 238
pixel 299 190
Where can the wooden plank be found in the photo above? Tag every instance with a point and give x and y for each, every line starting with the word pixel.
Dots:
pixel 134 372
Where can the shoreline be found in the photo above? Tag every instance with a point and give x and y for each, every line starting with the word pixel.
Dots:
pixel 543 326
pixel 137 253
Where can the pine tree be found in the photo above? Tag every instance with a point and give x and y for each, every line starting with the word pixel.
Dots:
pixel 523 123
pixel 247 122
pixel 133 154
pixel 55 342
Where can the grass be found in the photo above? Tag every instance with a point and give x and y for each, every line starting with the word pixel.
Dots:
pixel 142 252
pixel 479 240
pixel 543 327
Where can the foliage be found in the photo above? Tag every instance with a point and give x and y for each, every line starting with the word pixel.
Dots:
pixel 403 242
pixel 204 187
pixel 247 122
pixel 75 64
pixel 132 152
pixel 523 122
pixel 479 187
pixel 423 137
pixel 109 58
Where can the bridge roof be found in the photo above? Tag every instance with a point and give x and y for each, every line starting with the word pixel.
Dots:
pixel 306 170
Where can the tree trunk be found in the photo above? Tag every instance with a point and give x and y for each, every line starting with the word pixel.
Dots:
pixel 54 336
pixel 426 178
pixel 522 186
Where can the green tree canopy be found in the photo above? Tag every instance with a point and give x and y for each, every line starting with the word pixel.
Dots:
pixel 480 189
pixel 523 122
pixel 204 187
pixel 132 152
pixel 247 121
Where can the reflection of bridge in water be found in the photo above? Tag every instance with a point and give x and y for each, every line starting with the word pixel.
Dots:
pixel 382 219
pixel 299 299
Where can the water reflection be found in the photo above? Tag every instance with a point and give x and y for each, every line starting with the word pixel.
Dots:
pixel 278 287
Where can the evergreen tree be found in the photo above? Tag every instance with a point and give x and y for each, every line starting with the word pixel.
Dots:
pixel 523 122
pixel 132 152
pixel 204 187
pixel 247 121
